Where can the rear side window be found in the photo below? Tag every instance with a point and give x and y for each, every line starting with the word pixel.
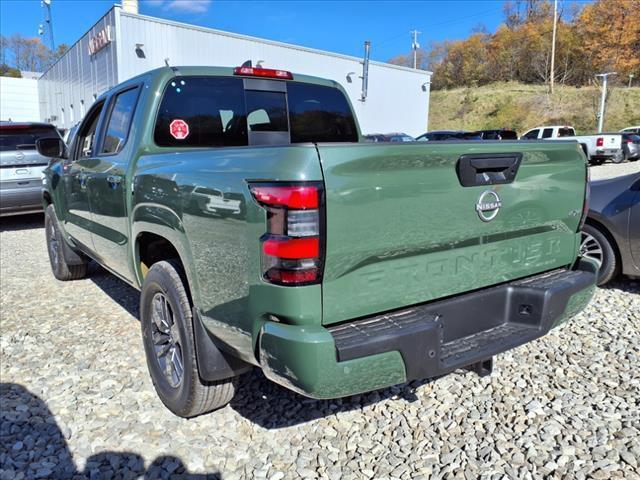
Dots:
pixel 532 135
pixel 202 112
pixel 548 133
pixel 566 132
pixel 319 114
pixel 120 121
pixel 23 137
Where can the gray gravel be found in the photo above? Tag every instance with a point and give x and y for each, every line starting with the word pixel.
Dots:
pixel 609 169
pixel 77 400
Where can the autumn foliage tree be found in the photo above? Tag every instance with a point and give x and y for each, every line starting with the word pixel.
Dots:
pixel 604 35
pixel 21 53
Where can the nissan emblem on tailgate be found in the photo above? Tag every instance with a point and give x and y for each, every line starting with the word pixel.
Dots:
pixel 488 205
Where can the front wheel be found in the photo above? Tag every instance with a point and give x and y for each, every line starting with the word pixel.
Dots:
pixel 167 334
pixel 595 246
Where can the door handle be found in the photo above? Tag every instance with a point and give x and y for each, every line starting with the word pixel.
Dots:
pixel 82 179
pixel 114 181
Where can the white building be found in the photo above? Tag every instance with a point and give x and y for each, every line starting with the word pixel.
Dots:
pixel 123 44
pixel 19 98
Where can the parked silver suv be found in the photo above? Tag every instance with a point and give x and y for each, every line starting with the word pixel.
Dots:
pixel 21 166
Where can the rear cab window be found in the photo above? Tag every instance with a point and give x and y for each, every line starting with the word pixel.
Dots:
pixel 566 132
pixel 532 135
pixel 223 111
pixel 23 137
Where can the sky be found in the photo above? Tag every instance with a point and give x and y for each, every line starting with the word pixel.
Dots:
pixel 336 26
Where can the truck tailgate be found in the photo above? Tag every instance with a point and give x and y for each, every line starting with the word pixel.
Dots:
pixel 402 228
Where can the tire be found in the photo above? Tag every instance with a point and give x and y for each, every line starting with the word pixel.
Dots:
pixel 165 318
pixel 60 266
pixel 619 157
pixel 596 245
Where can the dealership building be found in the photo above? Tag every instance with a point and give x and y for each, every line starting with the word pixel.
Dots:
pixel 123 44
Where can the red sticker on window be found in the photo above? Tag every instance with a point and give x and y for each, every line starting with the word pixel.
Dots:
pixel 179 129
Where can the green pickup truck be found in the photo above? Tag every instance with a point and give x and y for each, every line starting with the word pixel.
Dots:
pixel 262 233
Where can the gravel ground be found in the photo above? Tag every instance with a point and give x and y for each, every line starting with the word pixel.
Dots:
pixel 609 169
pixel 77 400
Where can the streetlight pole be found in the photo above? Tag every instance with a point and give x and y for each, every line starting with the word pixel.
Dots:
pixel 415 46
pixel 604 76
pixel 631 75
pixel 553 45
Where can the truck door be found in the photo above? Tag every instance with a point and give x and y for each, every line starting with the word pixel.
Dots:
pixel 108 188
pixel 77 221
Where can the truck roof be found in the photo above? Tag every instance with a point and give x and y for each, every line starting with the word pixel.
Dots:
pixel 203 71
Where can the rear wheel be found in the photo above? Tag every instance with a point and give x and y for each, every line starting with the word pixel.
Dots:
pixel 60 266
pixel 596 246
pixel 619 157
pixel 167 334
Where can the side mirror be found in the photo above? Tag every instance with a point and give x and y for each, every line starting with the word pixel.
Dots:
pixel 51 147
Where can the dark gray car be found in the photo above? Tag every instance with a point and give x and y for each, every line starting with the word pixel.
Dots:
pixel 21 166
pixel 611 235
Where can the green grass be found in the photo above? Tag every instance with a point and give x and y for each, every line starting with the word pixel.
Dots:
pixel 521 107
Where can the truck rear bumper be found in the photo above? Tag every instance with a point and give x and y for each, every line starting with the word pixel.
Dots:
pixel 423 341
pixel 15 201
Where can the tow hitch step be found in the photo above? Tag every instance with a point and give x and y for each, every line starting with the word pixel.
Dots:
pixel 482 368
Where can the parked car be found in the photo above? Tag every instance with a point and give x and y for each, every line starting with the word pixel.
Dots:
pixel 611 234
pixel 440 135
pixel 631 146
pixel 21 166
pixel 631 130
pixel 499 134
pixel 342 267
pixel 597 147
pixel 389 137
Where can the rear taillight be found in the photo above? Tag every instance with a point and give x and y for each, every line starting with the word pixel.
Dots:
pixel 292 247
pixel 599 142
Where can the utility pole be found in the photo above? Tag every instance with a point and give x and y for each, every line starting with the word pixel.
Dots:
pixel 631 75
pixel 553 44
pixel 604 76
pixel 415 46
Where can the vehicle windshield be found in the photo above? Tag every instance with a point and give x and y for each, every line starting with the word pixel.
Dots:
pixel 23 137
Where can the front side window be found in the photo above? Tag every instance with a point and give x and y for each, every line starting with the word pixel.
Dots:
pixel 202 112
pixel 119 121
pixel 87 133
pixel 319 114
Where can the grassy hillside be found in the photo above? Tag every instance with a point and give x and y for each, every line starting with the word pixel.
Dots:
pixel 520 107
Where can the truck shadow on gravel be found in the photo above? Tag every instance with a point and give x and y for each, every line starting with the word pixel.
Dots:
pixel 32 445
pixel 272 406
pixel 22 222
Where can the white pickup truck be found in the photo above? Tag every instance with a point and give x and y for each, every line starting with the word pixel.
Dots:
pixel 598 147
